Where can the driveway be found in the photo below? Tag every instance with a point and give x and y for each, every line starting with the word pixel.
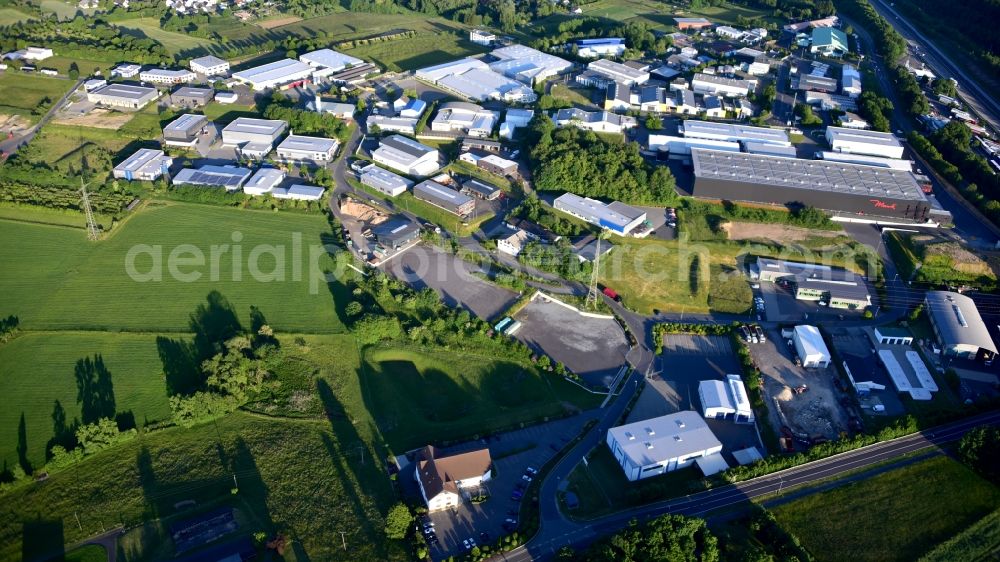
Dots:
pixel 593 348
pixel 453 278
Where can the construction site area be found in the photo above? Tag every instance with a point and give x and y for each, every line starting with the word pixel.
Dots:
pixel 807 405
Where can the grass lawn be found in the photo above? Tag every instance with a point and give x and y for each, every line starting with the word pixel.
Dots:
pixel 89 553
pixel 63 10
pixel 223 113
pixel 60 144
pixel 173 41
pixel 579 97
pixel 37 369
pixel 45 215
pixel 20 93
pixel 418 397
pixel 307 478
pixel 977 542
pixel 55 279
pixel 10 16
pixel 899 515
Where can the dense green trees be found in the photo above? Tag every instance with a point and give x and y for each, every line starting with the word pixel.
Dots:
pixel 944 87
pixel 875 109
pixel 84 38
pixel 397 521
pixel 306 122
pixel 556 258
pixel 670 537
pixel 980 449
pixel 584 163
pixel 531 209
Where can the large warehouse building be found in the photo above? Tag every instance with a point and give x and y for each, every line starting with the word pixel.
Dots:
pixel 121 95
pixel 272 74
pixel 861 191
pixel 254 137
pixel 959 328
pixel 406 155
pixel 872 143
pixel 475 80
pixel 664 444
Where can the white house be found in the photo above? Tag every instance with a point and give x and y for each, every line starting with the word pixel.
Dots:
pixel 482 37
pixel 263 181
pixel 301 148
pixel 166 76
pixel 513 243
pixel 810 347
pixel 513 119
pixel 144 164
pixel 458 116
pixel 664 444
pixel 445 479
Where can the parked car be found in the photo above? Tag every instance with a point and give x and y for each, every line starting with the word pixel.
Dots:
pixel 760 333
pixel 531 470
pixel 746 333
pixel 469 544
pixel 431 539
pixel 526 478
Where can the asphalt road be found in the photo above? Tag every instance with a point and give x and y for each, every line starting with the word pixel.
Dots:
pixel 981 101
pixel 556 531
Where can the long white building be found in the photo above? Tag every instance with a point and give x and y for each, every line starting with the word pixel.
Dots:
pixel 167 76
pixel 729 87
pixel 619 72
pixel 599 121
pixel 144 164
pixel 615 216
pixel 474 79
pixel 872 143
pixel 734 133
pixel 664 444
pixel 683 145
pixel 254 137
pixel 527 65
pixel 273 74
pixel 210 66
pixel 327 62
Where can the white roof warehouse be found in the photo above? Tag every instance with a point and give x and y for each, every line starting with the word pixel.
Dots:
pixel 313 149
pixel 123 95
pixel 654 446
pixel 273 74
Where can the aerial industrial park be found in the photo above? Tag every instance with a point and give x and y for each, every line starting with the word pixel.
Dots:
pixel 575 281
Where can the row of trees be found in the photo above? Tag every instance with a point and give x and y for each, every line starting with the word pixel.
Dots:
pixel 84 38
pixel 582 162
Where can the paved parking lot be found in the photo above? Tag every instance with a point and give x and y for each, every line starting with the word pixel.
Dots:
pixel 593 348
pixel 855 348
pixel 469 520
pixel 685 362
pixel 781 305
pixel 453 279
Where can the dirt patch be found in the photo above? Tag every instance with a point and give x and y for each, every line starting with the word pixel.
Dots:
pixel 14 124
pixel 278 22
pixel 961 258
pixel 774 233
pixel 97 118
pixel 362 212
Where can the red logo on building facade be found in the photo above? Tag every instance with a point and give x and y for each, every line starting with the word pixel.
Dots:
pixel 879 204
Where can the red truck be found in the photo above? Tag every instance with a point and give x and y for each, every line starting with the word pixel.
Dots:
pixel 611 294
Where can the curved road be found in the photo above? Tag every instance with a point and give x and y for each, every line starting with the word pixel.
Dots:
pixel 556 531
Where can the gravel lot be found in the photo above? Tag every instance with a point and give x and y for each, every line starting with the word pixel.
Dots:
pixel 593 348
pixel 453 279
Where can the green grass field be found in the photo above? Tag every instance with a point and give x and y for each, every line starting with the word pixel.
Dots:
pixel 10 16
pixel 977 542
pixel 308 478
pixel 55 279
pixel 899 515
pixel 422 397
pixel 44 215
pixel 36 369
pixel 173 41
pixel 60 145
pixel 20 93
pixel 89 553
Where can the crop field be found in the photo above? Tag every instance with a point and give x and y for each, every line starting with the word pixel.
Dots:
pixel 62 9
pixel 420 397
pixel 42 215
pixel 899 515
pixel 39 369
pixel 20 93
pixel 55 279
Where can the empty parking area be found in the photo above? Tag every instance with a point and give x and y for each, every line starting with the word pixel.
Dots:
pixel 593 348
pixel 454 279
pixel 857 351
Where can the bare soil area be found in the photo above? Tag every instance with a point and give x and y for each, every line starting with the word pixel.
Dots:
pixel 97 118
pixel 776 233
pixel 278 22
pixel 362 212
pixel 14 124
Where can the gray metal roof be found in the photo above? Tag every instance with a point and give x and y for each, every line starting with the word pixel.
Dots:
pixel 406 145
pixel 185 124
pixel 817 175
pixel 396 229
pixel 440 195
pixel 957 320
